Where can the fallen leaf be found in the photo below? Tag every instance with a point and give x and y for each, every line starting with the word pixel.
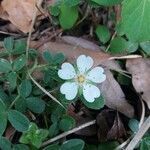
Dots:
pixel 140 70
pixel 80 42
pixel 51 2
pixel 19 13
pixel 117 131
pixel 111 90
pixel 82 118
pixel 103 126
pixel 88 131
pixel 71 52
pixel 114 95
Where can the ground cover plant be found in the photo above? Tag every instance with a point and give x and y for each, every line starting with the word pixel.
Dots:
pixel 74 74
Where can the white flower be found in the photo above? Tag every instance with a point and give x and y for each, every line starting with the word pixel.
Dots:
pixel 81 79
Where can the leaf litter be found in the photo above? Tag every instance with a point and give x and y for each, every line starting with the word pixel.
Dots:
pixel 110 125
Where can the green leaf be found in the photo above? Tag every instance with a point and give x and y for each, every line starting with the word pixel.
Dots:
pixel 34 135
pixel 97 104
pixel 58 58
pixel 134 125
pixel 38 137
pixel 9 44
pixel 12 79
pixel 107 2
pixel 108 145
pixel 3 123
pixel 20 104
pixel 102 33
pixel 52 147
pixel 53 130
pixel 33 54
pixel 118 45
pixel 66 123
pixel 145 144
pixel 25 88
pixel 47 57
pixel 132 47
pixel 5 66
pixel 19 121
pixel 136 19
pixel 145 47
pixel 42 134
pixel 35 104
pixel 5 144
pixel 20 147
pixel 2 106
pixel 73 144
pixel 71 3
pixel 54 10
pixel 19 63
pixel 19 46
pixel 4 97
pixel 3 117
pixel 68 16
pixel 57 114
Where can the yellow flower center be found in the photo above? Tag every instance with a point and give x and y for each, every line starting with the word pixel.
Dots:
pixel 80 79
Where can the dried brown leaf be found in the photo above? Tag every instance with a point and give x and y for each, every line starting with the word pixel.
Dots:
pixel 103 125
pixel 51 2
pixel 114 95
pixel 19 12
pixel 140 70
pixel 111 90
pixel 72 52
pixel 80 42
pixel 117 131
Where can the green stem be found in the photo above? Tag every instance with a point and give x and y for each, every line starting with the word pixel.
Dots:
pixel 12 104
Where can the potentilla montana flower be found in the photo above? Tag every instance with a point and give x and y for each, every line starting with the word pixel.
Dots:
pixel 81 79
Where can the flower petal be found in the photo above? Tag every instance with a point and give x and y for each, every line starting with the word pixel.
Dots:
pixel 70 89
pixel 96 75
pixel 67 71
pixel 90 92
pixel 84 63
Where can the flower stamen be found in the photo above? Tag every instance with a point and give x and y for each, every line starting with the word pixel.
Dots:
pixel 81 79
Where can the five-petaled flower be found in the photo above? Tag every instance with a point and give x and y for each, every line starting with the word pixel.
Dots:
pixel 81 79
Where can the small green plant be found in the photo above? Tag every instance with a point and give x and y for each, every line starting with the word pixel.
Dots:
pixel 36 99
pixel 34 135
pixel 21 98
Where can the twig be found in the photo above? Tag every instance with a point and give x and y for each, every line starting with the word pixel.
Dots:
pixel 113 36
pixel 31 28
pixel 126 57
pixel 44 90
pixel 143 113
pixel 27 53
pixel 122 145
pixel 8 33
pixel 69 132
pixel 145 126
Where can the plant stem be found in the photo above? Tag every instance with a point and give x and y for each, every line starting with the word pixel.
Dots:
pixel 44 90
pixel 12 104
pixel 69 132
